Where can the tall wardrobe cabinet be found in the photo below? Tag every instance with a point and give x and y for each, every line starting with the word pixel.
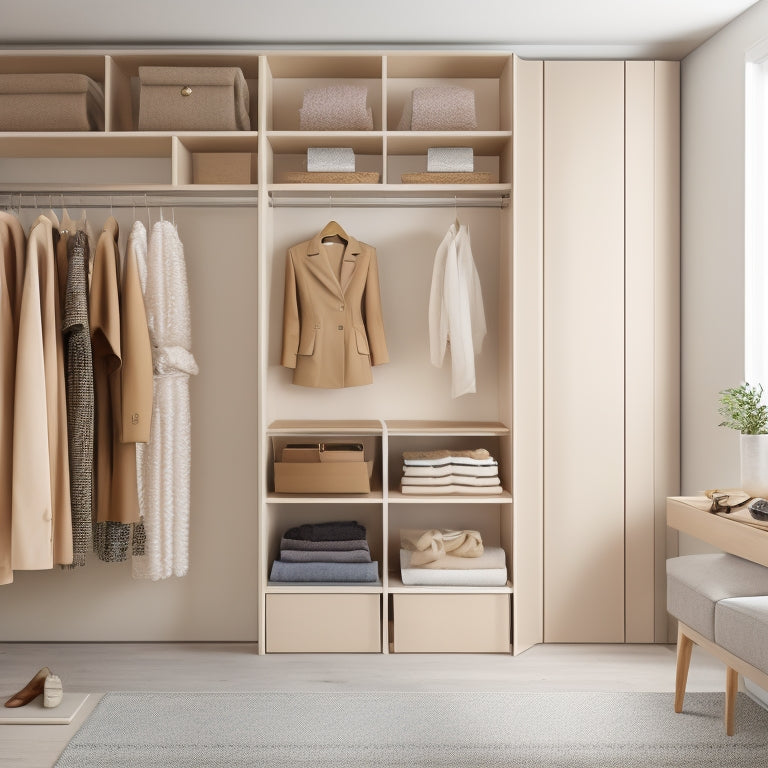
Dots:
pixel 574 234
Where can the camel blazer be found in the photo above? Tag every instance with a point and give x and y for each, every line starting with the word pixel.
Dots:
pixel 333 330
pixel 12 248
pixel 122 369
pixel 41 523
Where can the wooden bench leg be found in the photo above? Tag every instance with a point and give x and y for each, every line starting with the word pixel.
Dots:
pixel 731 688
pixel 684 648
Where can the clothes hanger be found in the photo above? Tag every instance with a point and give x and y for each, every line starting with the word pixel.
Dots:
pixel 333 230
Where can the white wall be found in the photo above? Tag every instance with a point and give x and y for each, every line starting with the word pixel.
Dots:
pixel 713 247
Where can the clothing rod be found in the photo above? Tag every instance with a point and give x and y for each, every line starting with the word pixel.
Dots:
pixel 46 200
pixel 331 201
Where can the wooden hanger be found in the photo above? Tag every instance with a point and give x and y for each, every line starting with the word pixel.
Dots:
pixel 333 230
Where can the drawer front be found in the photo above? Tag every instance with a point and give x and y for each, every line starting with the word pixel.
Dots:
pixel 451 623
pixel 302 623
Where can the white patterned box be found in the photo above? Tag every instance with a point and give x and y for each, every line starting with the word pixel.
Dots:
pixel 336 159
pixel 450 160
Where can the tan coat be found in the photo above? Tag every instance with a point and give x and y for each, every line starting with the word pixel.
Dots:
pixel 333 331
pixel 116 495
pixel 12 250
pixel 41 513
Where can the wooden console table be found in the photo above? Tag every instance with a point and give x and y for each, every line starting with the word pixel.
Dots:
pixel 735 533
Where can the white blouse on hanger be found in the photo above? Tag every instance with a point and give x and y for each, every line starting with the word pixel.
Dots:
pixel 456 312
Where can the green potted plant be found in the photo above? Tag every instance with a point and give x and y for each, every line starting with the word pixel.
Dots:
pixel 744 411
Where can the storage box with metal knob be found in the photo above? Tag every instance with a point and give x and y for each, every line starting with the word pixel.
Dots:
pixel 193 99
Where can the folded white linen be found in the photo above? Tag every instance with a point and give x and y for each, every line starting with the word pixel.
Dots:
pixel 451 480
pixel 452 577
pixel 440 490
pixel 474 470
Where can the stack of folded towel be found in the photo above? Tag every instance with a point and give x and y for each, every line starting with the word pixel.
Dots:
pixel 450 160
pixel 439 108
pixel 336 108
pixel 441 557
pixel 471 472
pixel 325 552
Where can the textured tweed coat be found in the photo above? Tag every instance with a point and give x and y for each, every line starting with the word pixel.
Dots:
pixel 41 524
pixel 333 331
pixel 12 250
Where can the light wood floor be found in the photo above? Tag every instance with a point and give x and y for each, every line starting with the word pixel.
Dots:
pixel 101 667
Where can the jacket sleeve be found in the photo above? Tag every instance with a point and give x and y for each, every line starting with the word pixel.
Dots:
pixel 374 322
pixel 136 371
pixel 291 322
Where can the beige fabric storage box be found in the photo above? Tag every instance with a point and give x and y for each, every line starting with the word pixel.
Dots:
pixel 323 623
pixel 323 477
pixel 452 623
pixel 51 102
pixel 193 99
pixel 221 167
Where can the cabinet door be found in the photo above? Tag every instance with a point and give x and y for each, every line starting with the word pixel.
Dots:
pixel 584 351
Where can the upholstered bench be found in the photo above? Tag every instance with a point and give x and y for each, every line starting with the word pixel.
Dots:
pixel 721 604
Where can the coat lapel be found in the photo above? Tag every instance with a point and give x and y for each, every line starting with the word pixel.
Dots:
pixel 320 266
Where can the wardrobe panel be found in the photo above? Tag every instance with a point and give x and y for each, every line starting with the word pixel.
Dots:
pixel 667 326
pixel 527 381
pixel 639 340
pixel 584 351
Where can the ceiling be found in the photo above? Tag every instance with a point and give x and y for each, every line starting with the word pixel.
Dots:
pixel 546 28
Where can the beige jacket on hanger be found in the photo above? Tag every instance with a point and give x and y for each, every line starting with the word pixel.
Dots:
pixel 41 514
pixel 12 250
pixel 122 370
pixel 333 331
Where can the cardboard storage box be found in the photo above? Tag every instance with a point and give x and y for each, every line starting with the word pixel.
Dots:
pixel 193 99
pixel 323 477
pixel 55 102
pixel 221 167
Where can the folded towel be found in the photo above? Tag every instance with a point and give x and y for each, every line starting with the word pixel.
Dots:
pixel 450 160
pixel 435 544
pixel 325 572
pixel 439 108
pixel 343 530
pixel 469 470
pixel 325 556
pixel 323 546
pixel 451 480
pixel 442 490
pixel 338 159
pixel 336 108
pixel 491 557
pixel 467 576
pixel 476 454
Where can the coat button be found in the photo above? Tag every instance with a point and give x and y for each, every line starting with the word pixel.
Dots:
pixel 341 307
pixel 341 327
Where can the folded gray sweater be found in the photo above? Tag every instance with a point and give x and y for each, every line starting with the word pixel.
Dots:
pixel 325 572
pixel 325 556
pixel 323 546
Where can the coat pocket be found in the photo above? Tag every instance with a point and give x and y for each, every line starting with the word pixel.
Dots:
pixel 362 342
pixel 307 343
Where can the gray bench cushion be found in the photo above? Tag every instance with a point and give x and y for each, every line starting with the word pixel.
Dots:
pixel 695 583
pixel 741 627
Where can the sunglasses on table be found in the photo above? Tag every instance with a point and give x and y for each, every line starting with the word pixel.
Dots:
pixel 726 502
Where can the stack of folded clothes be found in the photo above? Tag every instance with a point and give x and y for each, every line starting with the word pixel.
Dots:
pixel 325 552
pixel 442 557
pixel 439 108
pixel 473 472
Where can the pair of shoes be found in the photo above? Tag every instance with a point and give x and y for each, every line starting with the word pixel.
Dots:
pixel 42 683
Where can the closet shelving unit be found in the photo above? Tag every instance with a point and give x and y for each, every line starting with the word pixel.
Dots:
pixel 409 406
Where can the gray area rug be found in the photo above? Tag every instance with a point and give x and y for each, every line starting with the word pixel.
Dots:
pixel 418 730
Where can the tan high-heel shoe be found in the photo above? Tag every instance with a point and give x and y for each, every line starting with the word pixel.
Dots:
pixel 31 690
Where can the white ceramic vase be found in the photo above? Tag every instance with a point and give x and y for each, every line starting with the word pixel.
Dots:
pixel 754 465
